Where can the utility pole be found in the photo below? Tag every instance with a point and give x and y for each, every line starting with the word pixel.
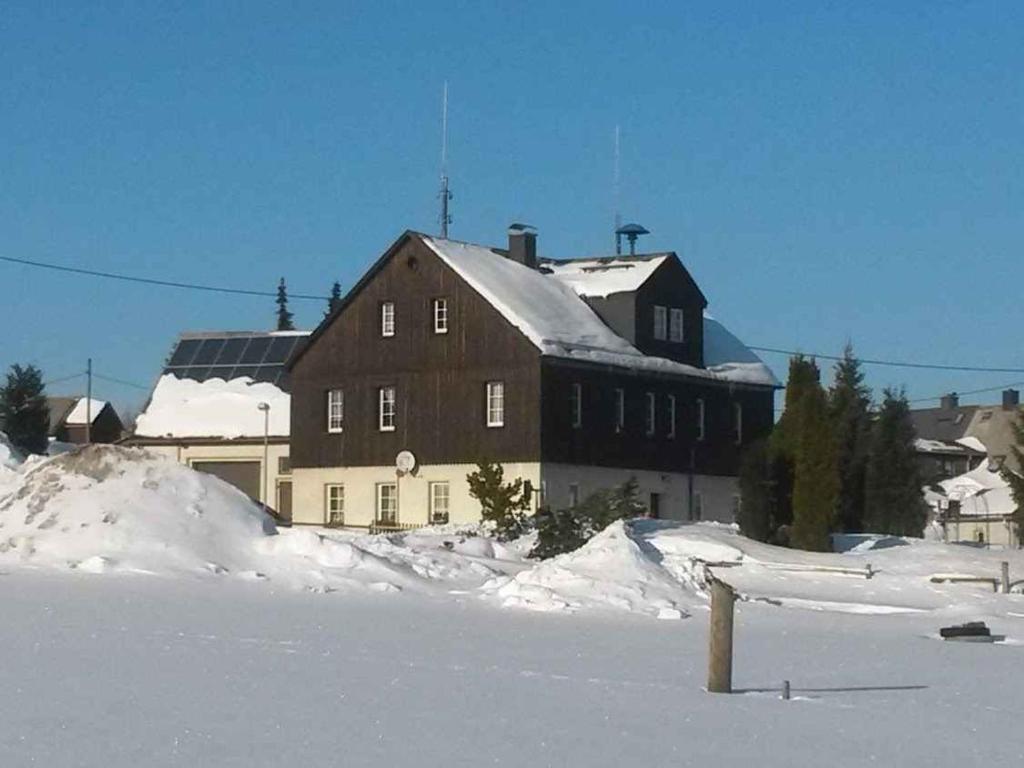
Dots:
pixel 88 402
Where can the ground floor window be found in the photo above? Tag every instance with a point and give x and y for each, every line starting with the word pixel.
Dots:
pixel 387 503
pixel 334 495
pixel 439 498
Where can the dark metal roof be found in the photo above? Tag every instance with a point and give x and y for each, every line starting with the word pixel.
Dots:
pixel 260 355
pixel 947 424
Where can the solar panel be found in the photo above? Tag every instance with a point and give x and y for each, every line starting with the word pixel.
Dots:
pixel 259 356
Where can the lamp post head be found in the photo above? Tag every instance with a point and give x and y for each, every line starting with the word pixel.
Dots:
pixel 264 406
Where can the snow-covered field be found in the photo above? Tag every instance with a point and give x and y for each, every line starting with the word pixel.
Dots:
pixel 153 616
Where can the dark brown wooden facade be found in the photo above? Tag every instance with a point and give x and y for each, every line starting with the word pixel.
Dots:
pixel 440 382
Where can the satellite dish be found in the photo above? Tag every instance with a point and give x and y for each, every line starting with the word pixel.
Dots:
pixel 405 461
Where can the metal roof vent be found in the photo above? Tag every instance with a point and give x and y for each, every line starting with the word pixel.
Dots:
pixel 632 232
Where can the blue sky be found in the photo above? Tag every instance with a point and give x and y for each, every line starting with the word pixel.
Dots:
pixel 827 171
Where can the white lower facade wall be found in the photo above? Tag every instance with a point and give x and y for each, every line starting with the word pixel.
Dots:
pixel 188 454
pixel 716 495
pixel 360 492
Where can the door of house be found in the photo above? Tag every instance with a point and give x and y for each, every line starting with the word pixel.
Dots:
pixel 284 500
pixel 655 508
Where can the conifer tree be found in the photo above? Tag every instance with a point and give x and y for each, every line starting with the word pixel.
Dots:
pixel 24 414
pixel 815 476
pixel 1014 476
pixel 284 317
pixel 893 497
pixel 756 492
pixel 849 404
pixel 335 299
pixel 502 503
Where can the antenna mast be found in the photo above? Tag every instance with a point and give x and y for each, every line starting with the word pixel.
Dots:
pixel 615 195
pixel 445 194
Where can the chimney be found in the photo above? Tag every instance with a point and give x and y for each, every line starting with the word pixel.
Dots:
pixel 950 401
pixel 522 244
pixel 1011 399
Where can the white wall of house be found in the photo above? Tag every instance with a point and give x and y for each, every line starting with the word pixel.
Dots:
pixel 717 495
pixel 414 492
pixel 998 531
pixel 227 451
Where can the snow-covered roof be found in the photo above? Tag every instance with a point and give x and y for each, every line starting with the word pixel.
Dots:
pixel 213 408
pixel 972 444
pixel 982 492
pixel 77 415
pixel 603 277
pixel 559 323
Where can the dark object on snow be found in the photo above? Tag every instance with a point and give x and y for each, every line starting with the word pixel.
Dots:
pixel 971 632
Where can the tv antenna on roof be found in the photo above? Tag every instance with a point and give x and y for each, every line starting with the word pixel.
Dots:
pixel 445 194
pixel 615 193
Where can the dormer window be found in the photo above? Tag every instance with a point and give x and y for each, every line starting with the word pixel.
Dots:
pixel 660 322
pixel 387 318
pixel 675 325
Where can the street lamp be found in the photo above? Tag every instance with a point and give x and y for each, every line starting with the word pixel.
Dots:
pixel 265 407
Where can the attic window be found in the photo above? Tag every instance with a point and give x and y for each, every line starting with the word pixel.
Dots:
pixel 607 267
pixel 412 263
pixel 660 322
pixel 986 415
pixel 675 325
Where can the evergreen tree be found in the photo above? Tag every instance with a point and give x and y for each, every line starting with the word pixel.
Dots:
pixel 893 497
pixel 24 413
pixel 815 476
pixel 335 299
pixel 756 492
pixel 1015 476
pixel 849 404
pixel 502 503
pixel 284 317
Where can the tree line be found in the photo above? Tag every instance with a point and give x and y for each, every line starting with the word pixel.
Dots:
pixel 833 463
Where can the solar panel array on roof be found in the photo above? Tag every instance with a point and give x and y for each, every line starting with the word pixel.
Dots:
pixel 260 356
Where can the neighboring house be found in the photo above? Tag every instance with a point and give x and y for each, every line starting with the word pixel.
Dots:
pixel 976 429
pixel 69 417
pixel 574 375
pixel 941 459
pixel 976 506
pixel 205 410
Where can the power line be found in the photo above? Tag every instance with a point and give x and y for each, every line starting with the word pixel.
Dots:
pixel 63 379
pixel 154 281
pixel 893 363
pixel 122 382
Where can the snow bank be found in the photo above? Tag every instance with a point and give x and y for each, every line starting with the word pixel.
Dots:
pixel 213 408
pixel 608 572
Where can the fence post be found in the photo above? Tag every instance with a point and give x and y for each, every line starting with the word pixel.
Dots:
pixel 720 641
pixel 1004 575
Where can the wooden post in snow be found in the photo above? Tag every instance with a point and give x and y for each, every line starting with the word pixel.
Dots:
pixel 723 599
pixel 1004 576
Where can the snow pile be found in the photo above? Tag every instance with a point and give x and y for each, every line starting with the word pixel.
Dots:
pixel 611 571
pixel 213 408
pixel 107 507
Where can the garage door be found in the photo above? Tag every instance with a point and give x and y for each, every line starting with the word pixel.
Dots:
pixel 244 475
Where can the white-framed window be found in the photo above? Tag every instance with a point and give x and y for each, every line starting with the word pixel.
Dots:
pixel 495 403
pixel 649 422
pixel 671 416
pixel 737 422
pixel 440 494
pixel 387 318
pixel 700 418
pixel 386 409
pixel 576 405
pixel 574 494
pixel 660 322
pixel 620 410
pixel 334 504
pixel 676 329
pixel 697 510
pixel 440 315
pixel 387 503
pixel 335 410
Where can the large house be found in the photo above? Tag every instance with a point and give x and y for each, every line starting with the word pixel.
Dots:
pixel 575 375
pixel 221 405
